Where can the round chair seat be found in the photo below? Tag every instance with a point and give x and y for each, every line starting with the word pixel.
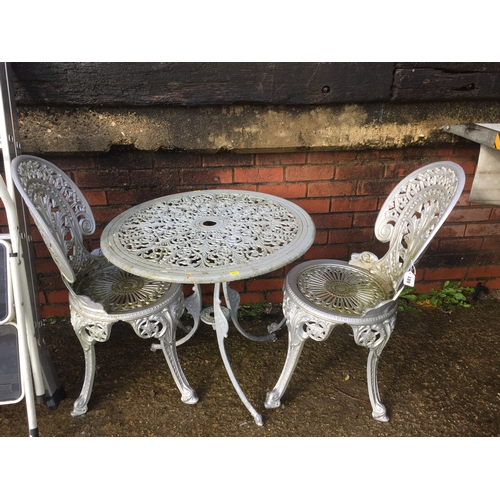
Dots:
pixel 119 291
pixel 337 287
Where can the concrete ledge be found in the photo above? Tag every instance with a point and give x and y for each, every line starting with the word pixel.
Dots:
pixel 246 129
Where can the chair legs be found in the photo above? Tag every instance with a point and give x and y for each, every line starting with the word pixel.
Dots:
pixel 375 338
pixel 168 346
pixel 161 326
pixel 83 330
pixel 302 326
pixel 296 340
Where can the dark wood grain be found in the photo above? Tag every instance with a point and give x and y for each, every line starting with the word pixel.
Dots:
pixel 199 84
pixel 446 81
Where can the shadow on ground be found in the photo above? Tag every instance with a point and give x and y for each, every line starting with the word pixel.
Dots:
pixel 438 376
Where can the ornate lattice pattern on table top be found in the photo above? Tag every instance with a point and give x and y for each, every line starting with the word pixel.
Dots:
pixel 208 230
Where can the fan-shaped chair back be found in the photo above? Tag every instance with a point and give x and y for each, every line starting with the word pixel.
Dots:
pixel 59 209
pixel 411 216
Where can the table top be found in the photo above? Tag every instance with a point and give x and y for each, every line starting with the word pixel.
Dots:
pixel 208 236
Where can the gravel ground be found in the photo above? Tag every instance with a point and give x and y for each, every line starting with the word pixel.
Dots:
pixel 438 376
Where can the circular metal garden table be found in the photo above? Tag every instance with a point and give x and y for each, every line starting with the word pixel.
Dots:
pixel 210 237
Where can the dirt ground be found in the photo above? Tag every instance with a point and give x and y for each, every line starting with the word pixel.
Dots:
pixel 439 375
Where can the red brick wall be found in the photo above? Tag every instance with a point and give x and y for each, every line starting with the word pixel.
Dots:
pixel 342 191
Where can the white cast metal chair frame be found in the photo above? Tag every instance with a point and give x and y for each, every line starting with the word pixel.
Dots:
pixel 100 294
pixel 320 294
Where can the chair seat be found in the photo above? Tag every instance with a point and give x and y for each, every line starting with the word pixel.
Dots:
pixel 336 287
pixel 118 291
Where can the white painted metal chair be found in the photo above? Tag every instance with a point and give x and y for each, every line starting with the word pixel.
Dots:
pixel 100 294
pixel 321 294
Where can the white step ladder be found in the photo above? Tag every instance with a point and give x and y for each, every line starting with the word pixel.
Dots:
pixel 26 370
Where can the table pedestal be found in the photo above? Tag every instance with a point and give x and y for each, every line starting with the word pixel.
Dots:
pixel 221 327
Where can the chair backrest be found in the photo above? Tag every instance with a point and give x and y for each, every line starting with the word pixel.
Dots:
pixel 411 216
pixel 59 210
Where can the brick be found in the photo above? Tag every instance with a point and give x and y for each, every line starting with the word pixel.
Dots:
pixel 275 297
pixel 444 274
pixel 416 152
pixel 451 231
pixel 95 197
pixel 318 206
pixel 400 171
pixel 259 174
pixel 472 283
pixel 463 200
pixel 491 243
pixel 459 245
pixel 380 154
pixel 373 246
pixel 264 284
pixel 41 251
pixel 176 161
pixel 374 188
pixel 102 179
pixel 228 160
pixel 59 296
pixel 484 272
pixel 492 284
pixel 46 266
pixel 471 151
pixel 469 166
pixel 369 171
pixel 365 219
pixel 482 229
pixel 469 214
pixel 287 191
pixel 331 157
pixel 495 214
pixel 309 173
pixel 419 275
pixel 334 188
pixel 124 161
pixel 353 204
pixel 105 215
pixel 349 235
pixel 126 198
pixel 327 252
pixel 207 176
pixel 269 159
pixel 152 179
pixel 244 186
pixel 332 221
pixel 246 297
pixel 321 237
pixel 73 162
pixel 58 311
pixel 468 183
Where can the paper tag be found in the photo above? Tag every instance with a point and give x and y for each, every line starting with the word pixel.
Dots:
pixel 409 279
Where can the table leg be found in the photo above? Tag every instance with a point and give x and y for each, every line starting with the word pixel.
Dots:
pixel 233 302
pixel 222 327
pixel 193 306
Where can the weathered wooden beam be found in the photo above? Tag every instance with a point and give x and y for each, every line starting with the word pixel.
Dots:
pixel 446 82
pixel 246 129
pixel 200 84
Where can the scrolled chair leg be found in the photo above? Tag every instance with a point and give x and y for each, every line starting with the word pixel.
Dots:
pixel 88 332
pixel 162 327
pixel 300 328
pixel 375 338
